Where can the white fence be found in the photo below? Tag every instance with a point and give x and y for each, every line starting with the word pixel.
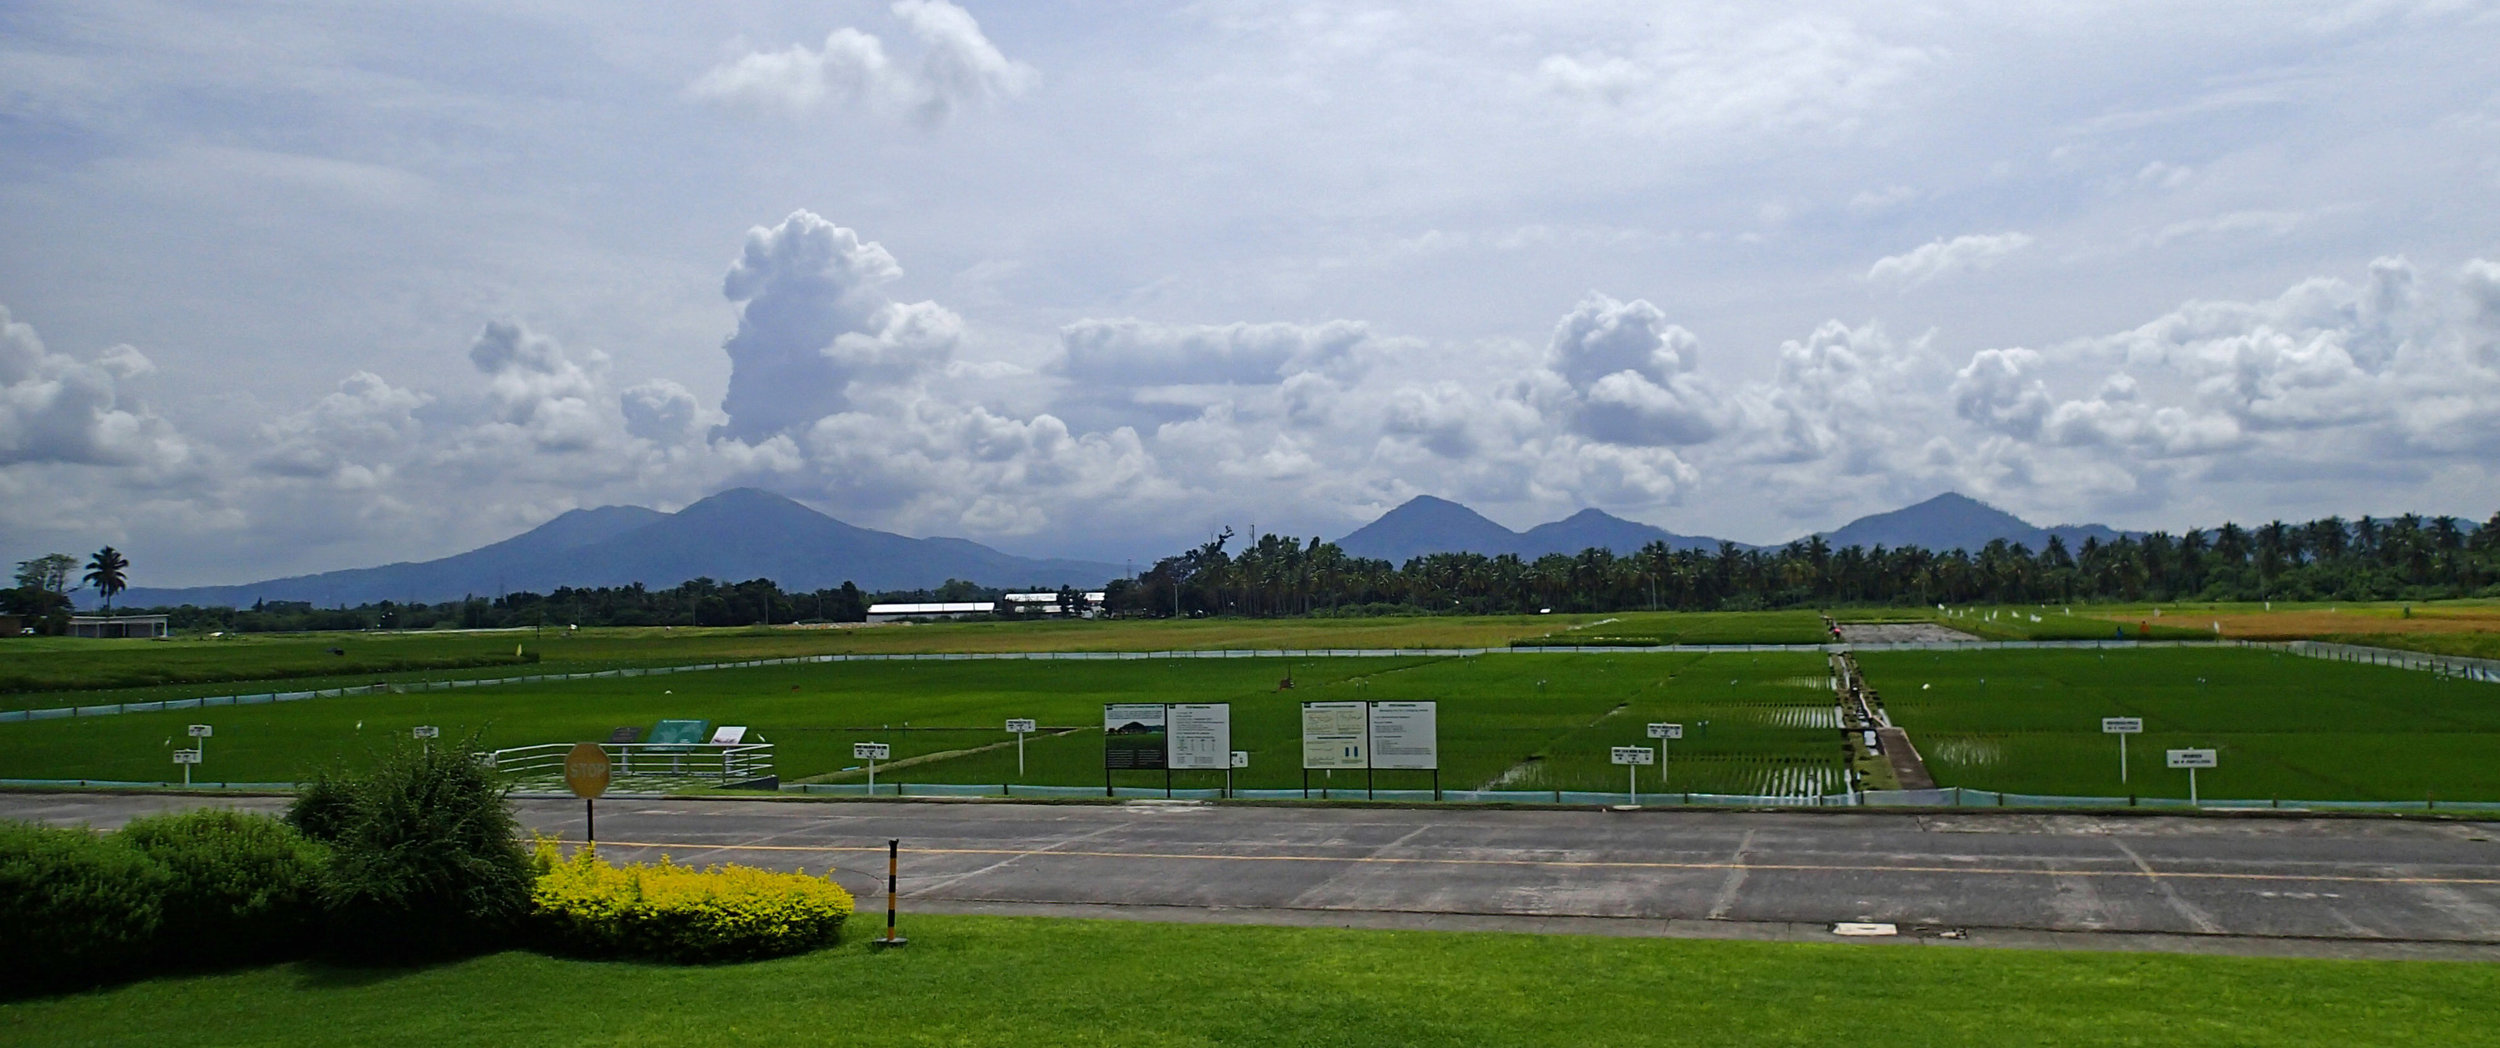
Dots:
pixel 691 765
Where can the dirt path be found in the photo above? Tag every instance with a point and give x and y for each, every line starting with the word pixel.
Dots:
pixel 1900 633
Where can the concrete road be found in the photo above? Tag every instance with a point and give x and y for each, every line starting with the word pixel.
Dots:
pixel 2322 887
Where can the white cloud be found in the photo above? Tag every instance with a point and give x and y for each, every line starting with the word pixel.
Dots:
pixel 57 409
pixel 1802 71
pixel 1941 258
pixel 958 68
pixel 1131 352
pixel 812 320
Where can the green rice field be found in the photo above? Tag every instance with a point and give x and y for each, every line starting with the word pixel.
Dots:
pixel 2286 727
pixel 1755 722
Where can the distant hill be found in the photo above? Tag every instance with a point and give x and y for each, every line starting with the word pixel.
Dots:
pixel 736 535
pixel 1955 521
pixel 1425 524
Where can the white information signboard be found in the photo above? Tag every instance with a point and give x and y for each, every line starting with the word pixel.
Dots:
pixel 729 735
pixel 2122 725
pixel 1333 735
pixel 871 751
pixel 202 731
pixel 1021 725
pixel 1241 758
pixel 186 756
pixel 1200 735
pixel 1635 755
pixel 426 731
pixel 1666 731
pixel 1405 735
pixel 2192 758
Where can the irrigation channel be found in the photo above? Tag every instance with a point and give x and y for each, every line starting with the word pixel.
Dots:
pixel 1884 767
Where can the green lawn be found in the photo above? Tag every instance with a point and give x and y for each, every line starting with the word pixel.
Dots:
pixel 1755 722
pixel 1030 981
pixel 2287 727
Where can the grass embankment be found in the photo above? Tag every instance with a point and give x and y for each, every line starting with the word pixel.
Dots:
pixel 1027 981
pixel 2286 726
pixel 1645 628
pixel 1754 722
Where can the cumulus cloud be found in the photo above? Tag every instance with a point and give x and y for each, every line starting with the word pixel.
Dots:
pixel 57 409
pixel 2330 368
pixel 1630 373
pixel 533 385
pixel 812 321
pixel 1941 258
pixel 957 68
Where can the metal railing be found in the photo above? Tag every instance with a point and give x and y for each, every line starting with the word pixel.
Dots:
pixel 721 763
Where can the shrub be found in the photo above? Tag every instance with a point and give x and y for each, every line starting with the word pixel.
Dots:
pixel 78 908
pixel 321 808
pixel 241 887
pixel 424 861
pixel 588 906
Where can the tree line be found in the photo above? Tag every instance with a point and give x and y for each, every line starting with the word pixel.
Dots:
pixel 2399 558
pixel 2407 557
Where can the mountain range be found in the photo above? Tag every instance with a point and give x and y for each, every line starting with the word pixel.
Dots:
pixel 745 533
pixel 1425 524
pixel 739 534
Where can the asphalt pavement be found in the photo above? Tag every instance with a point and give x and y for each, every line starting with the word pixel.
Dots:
pixel 2251 885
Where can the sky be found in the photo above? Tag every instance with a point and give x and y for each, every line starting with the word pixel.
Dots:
pixel 288 287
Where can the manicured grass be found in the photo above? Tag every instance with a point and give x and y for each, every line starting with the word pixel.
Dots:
pixel 1031 981
pixel 1756 722
pixel 2287 727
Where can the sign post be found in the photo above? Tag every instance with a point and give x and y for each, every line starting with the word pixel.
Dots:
pixel 1135 737
pixel 1334 735
pixel 426 733
pixel 586 774
pixel 201 731
pixel 1662 733
pixel 872 752
pixel 1241 759
pixel 2192 760
pixel 1632 757
pixel 1020 727
pixel 2122 727
pixel 1406 736
pixel 1198 736
pixel 186 758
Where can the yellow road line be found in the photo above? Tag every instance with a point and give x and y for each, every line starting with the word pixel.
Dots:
pixel 1603 864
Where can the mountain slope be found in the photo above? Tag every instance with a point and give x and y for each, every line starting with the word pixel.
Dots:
pixel 735 535
pixel 1425 524
pixel 1956 521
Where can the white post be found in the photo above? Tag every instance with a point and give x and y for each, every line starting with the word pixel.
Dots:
pixel 2192 789
pixel 2122 758
pixel 186 775
pixel 1662 765
pixel 872 776
pixel 1019 755
pixel 1632 784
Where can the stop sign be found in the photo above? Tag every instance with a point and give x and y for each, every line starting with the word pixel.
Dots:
pixel 586 770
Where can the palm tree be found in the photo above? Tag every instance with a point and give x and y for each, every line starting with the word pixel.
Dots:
pixel 107 574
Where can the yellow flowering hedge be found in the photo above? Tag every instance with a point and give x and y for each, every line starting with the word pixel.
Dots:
pixel 587 905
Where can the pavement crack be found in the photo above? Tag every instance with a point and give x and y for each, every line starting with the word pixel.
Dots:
pixel 1725 901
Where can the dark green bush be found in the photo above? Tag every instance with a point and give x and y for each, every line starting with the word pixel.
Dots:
pixel 425 861
pixel 77 908
pixel 321 808
pixel 242 887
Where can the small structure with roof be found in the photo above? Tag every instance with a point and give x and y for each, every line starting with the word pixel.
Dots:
pixel 150 626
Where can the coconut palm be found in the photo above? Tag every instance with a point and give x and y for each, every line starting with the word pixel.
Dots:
pixel 107 573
